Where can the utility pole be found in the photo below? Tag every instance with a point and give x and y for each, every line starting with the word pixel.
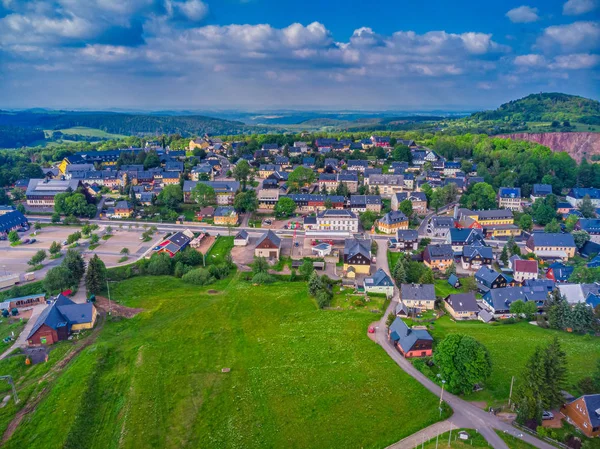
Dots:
pixel 450 436
pixel 511 389
pixel 442 396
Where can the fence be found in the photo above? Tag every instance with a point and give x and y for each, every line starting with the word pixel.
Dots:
pixel 535 434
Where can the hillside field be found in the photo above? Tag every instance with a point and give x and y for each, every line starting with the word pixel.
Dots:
pixel 300 377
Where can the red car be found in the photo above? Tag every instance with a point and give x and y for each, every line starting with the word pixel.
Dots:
pixel 371 330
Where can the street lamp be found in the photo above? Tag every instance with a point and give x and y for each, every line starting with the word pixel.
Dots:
pixel 441 394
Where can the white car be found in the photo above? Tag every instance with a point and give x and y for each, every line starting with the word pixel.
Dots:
pixel 547 415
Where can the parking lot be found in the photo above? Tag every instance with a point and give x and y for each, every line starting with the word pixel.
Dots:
pixel 13 260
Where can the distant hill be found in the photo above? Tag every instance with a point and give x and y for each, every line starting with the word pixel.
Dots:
pixel 126 124
pixel 545 107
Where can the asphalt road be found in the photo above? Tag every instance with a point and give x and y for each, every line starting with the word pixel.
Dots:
pixel 465 414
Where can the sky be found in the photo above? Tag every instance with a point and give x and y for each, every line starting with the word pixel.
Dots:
pixel 403 55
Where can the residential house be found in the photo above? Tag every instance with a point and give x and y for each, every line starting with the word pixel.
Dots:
pixel 268 246
pixel 380 282
pixel 337 220
pixel 387 184
pixel 226 216
pixel 460 238
pixel 462 306
pixel 398 167
pixel 322 249
pixel 12 221
pixel 405 240
pixel 267 198
pixel 308 162
pixel 578 293
pixel 493 223
pixel 584 413
pixel 499 300
pixel 475 256
pixel 224 190
pixel 381 141
pixel 525 269
pixel 241 238
pixel 272 148
pixel 488 279
pixel 417 199
pixel 266 170
pixel 357 256
pixel 363 203
pixel 391 222
pixel 206 213
pixel 540 191
pixel 576 196
pixel 349 179
pixel 418 296
pixel 59 320
pixel 410 342
pixel 41 192
pixel 328 181
pixel 357 165
pixel 439 226
pixel 123 209
pixel 438 257
pixel 547 245
pixel 309 203
pixel 202 172
pixel 559 272
pixel 510 198
pixel 591 226
pixel 451 168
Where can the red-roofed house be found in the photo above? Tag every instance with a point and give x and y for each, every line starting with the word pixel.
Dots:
pixel 525 269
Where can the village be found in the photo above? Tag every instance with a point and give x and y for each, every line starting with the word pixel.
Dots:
pixel 378 226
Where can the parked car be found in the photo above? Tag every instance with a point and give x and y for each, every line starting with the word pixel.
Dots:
pixel 32 241
pixel 547 415
pixel 371 330
pixel 65 242
pixel 26 241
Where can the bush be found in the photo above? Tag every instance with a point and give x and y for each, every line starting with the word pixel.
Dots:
pixel 359 302
pixel 160 264
pixel 262 278
pixel 219 271
pixel 198 276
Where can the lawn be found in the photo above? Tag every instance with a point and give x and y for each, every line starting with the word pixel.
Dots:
pixel 220 248
pixel 510 345
pixel 299 377
pixel 393 259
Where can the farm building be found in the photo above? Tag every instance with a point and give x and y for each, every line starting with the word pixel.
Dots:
pixel 410 342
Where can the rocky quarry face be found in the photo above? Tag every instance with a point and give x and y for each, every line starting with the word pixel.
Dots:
pixel 578 145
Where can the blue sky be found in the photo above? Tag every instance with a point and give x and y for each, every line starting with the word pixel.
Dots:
pixel 268 54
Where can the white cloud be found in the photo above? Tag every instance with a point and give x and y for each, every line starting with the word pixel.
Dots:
pixel 523 14
pixel 577 36
pixel 194 10
pixel 531 60
pixel 575 61
pixel 577 7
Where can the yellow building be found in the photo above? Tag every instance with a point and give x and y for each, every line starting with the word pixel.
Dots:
pixel 198 143
pixel 123 210
pixel 226 216
pixel 85 324
pixel 495 222
pixel 392 221
pixel 357 257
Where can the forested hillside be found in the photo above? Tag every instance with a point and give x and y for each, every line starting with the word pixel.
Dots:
pixel 17 136
pixel 126 124
pixel 545 107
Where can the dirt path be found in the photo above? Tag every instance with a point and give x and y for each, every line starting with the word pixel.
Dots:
pixel 103 305
pixel 50 377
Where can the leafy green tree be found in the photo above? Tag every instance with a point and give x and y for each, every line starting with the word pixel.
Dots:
pixel 450 270
pixel 479 196
pixel 37 258
pixel 260 265
pixel 55 217
pixel 426 277
pixel 95 277
pixel 74 262
pixel 570 222
pixel 13 237
pixel 402 153
pixel 342 190
pixel 160 264
pixel 526 222
pixel 171 196
pixel 300 177
pixel 530 309
pixel 463 362
pixel 528 393
pixel 406 208
pixel 580 237
pixel 55 248
pixel 581 318
pixel 543 212
pixel 124 251
pixel 152 160
pixel 94 239
pixel 246 201
pixel 367 219
pixel 241 172
pixel 399 273
pixel 285 207
pixel 57 279
pixel 72 238
pixel 307 268
pixel 203 194
pixel 314 283
pixel 504 255
pixel 552 227
pixel 427 190
pixel 586 207
pixel 37 226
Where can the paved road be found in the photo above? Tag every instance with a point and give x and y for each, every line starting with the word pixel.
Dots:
pixel 21 340
pixel 465 414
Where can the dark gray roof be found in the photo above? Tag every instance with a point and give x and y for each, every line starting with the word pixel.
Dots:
pixel 487 274
pixel 241 235
pixel 406 337
pixel 442 222
pixel 463 302
pixel 393 217
pixel 379 279
pixel 440 251
pixel 542 189
pixel 77 313
pixel 52 316
pixel 270 235
pixel 337 213
pixel 417 292
pixel 356 246
pixel 471 251
pixel 11 220
pixel 363 200
pixel 407 235
pixel 552 239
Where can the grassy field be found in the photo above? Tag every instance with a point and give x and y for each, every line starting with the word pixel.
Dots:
pixel 156 380
pixel 513 442
pixel 84 131
pixel 510 345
